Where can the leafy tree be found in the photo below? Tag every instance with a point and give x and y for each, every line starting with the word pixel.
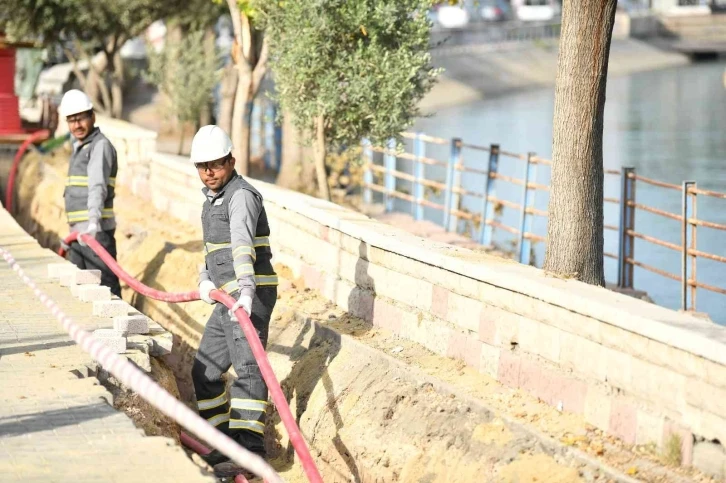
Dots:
pixel 82 27
pixel 575 229
pixel 348 69
pixel 186 74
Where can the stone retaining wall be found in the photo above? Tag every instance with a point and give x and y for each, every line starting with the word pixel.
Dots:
pixel 641 372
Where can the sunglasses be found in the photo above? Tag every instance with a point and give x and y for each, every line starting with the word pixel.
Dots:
pixel 212 165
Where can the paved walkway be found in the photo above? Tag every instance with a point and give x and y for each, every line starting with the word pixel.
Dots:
pixel 55 424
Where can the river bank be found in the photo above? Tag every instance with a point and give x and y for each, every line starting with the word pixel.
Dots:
pixel 474 72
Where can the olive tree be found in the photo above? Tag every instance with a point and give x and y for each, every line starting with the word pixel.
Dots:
pixel 348 69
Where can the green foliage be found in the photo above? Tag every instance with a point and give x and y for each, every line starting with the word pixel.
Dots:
pixel 186 74
pixel 361 64
pixel 99 22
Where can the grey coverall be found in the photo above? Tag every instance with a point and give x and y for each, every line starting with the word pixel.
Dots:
pixel 238 261
pixel 88 195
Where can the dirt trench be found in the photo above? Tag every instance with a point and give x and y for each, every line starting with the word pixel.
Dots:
pixel 368 416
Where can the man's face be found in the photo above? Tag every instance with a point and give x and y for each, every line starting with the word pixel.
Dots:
pixel 81 124
pixel 215 174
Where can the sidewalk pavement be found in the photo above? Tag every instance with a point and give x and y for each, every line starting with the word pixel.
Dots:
pixel 56 424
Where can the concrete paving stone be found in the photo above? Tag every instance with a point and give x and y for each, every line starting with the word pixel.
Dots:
pixel 86 277
pixel 57 270
pixel 93 293
pixel 111 338
pixel 131 324
pixel 110 308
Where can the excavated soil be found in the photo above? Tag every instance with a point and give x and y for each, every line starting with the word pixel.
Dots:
pixel 374 407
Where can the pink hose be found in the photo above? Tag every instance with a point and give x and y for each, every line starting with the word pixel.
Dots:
pixel 10 187
pixel 296 437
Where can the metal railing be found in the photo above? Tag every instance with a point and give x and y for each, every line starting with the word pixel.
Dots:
pixel 488 216
pixel 487 35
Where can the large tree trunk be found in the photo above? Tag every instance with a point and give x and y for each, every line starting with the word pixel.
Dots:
pixel 228 89
pixel 117 86
pixel 240 135
pixel 320 154
pixel 575 230
pixel 297 171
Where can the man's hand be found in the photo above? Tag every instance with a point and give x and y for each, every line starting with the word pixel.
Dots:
pixel 244 302
pixel 90 231
pixel 204 289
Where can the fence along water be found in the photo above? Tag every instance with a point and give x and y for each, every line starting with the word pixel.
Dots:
pixel 384 176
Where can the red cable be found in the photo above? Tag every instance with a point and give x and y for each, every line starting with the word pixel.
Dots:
pixel 10 187
pixel 296 438
pixel 200 449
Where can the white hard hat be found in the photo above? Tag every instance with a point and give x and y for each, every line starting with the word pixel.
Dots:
pixel 210 143
pixel 73 102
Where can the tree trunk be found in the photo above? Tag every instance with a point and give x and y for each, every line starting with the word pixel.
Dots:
pixel 228 89
pixel 575 230
pixel 117 86
pixel 240 135
pixel 292 156
pixel 320 153
pixel 180 149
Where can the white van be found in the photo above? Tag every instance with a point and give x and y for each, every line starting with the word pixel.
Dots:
pixel 536 10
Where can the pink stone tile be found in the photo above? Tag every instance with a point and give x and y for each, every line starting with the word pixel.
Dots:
pixel 572 393
pixel 387 316
pixel 509 366
pixel 324 233
pixel 530 378
pixel 312 277
pixel 440 302
pixel 487 327
pixel 457 345
pixel 623 420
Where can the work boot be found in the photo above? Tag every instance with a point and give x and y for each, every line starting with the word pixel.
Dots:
pixel 214 457
pixel 230 469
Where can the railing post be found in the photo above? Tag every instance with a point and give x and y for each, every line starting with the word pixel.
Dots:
pixel 389 180
pixel 367 172
pixel 694 258
pixel 419 151
pixel 525 222
pixel 453 183
pixel 626 242
pixel 687 210
pixel 487 208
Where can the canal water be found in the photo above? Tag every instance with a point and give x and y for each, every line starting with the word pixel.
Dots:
pixel 669 125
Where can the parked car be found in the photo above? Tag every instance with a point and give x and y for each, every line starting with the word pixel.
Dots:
pixel 536 10
pixel 452 16
pixel 495 10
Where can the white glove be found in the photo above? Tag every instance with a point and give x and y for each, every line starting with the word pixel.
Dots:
pixel 90 231
pixel 204 289
pixel 244 302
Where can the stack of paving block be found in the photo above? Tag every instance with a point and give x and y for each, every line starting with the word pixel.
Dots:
pixel 133 334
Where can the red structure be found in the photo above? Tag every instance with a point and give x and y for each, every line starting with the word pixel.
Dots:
pixel 9 113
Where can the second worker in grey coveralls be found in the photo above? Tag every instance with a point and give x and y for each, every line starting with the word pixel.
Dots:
pixel 237 261
pixel 90 187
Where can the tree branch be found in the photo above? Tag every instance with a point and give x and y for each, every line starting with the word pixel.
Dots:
pixel 105 95
pixel 76 70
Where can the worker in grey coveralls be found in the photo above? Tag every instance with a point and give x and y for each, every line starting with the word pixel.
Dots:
pixel 237 261
pixel 90 187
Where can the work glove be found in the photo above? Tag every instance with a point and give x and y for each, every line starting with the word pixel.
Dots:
pixel 90 231
pixel 244 302
pixel 204 290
